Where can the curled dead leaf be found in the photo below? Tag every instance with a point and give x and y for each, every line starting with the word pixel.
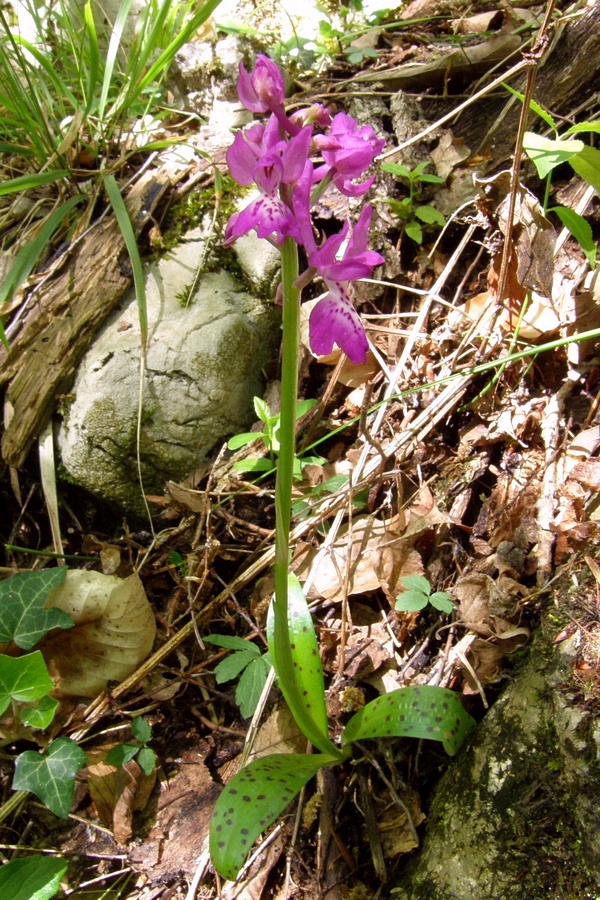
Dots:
pixel 113 634
pixel 118 792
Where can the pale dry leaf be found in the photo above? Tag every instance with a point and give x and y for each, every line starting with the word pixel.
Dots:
pixel 113 634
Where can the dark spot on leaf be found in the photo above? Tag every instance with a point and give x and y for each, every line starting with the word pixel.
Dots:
pixel 244 831
pixel 246 798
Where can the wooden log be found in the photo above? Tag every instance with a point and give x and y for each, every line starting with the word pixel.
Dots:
pixel 64 315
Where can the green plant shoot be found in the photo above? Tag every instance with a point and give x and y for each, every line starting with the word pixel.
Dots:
pixel 418 594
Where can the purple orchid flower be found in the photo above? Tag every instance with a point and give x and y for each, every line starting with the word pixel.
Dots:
pixel 258 156
pixel 334 318
pixel 264 89
pixel 348 150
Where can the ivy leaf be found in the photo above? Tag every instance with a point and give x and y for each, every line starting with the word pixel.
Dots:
pixel 51 776
pixel 40 715
pixel 251 684
pixel 32 878
pixel 23 678
pixel 252 800
pixel 420 711
pixel 23 616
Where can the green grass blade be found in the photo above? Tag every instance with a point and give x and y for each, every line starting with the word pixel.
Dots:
pixel 91 40
pixel 111 56
pixel 124 222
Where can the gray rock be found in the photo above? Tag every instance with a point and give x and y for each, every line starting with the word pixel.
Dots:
pixel 204 366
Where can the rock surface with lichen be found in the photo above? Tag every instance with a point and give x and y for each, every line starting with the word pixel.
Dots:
pixel 517 813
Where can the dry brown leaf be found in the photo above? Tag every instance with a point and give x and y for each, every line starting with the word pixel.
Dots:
pixel 396 835
pixel 113 634
pixel 484 602
pixel 118 792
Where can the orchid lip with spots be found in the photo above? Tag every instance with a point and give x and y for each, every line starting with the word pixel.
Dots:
pixel 292 160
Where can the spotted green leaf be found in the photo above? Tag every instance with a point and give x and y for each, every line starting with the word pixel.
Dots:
pixel 51 776
pixel 253 799
pixel 23 616
pixel 301 675
pixel 420 711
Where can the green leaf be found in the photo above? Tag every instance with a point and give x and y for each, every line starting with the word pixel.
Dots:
pixel 546 154
pixel 253 465
pixel 32 878
pixel 587 166
pixel 146 760
pixel 23 618
pixel 442 601
pixel 416 583
pixel 581 230
pixel 411 601
pixel 250 686
pixel 23 678
pixel 534 106
pixel 230 642
pixel 420 711
pixel 51 776
pixel 396 169
pixel 583 127
pixel 426 178
pixel 252 800
pixel 231 666
pixel 241 440
pixel 141 729
pixel 121 754
pixel 304 406
pixel 262 409
pixel 429 215
pixel 414 232
pixel 40 715
pixel 301 680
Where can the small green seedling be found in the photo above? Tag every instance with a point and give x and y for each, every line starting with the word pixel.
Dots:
pixel 138 750
pixel 258 794
pixel 548 153
pixel 247 660
pixel 270 437
pixel 418 594
pixel 410 212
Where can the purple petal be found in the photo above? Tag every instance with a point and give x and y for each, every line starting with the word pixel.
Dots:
pixel 241 159
pixel 325 256
pixel 266 215
pixel 301 203
pixel 347 187
pixel 360 233
pixel 268 82
pixel 295 155
pixel 247 93
pixel 334 320
pixel 267 173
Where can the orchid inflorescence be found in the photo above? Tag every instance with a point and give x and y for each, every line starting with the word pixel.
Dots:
pixel 292 164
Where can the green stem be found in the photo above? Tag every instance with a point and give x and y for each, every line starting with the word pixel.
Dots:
pixel 287 435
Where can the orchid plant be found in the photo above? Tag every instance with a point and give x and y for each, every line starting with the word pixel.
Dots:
pixel 292 161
